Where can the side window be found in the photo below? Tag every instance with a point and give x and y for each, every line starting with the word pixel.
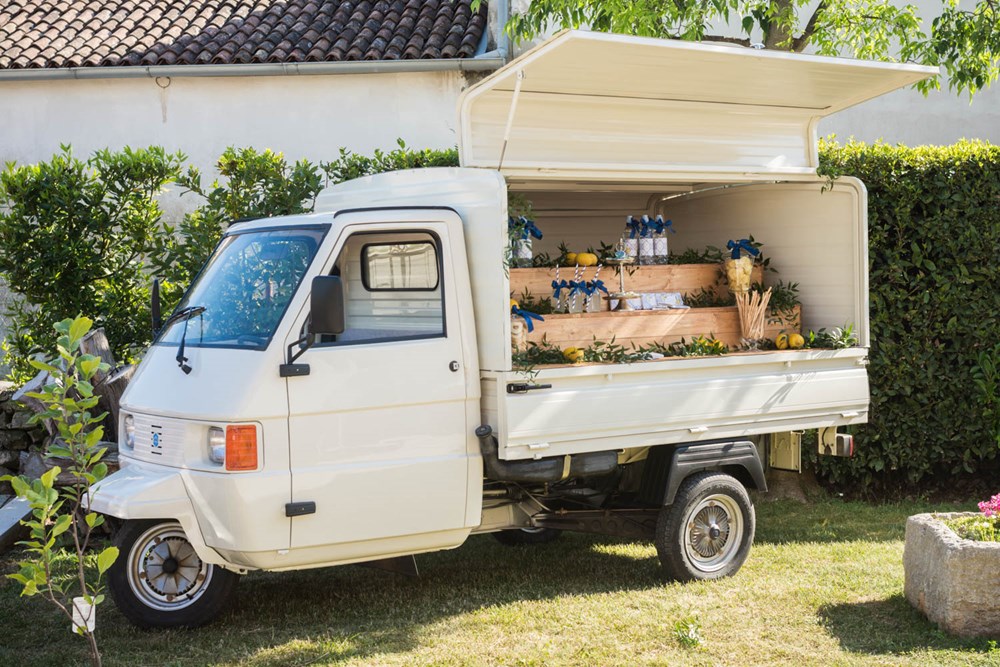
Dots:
pixel 393 286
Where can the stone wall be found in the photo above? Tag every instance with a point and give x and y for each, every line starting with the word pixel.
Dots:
pixel 17 437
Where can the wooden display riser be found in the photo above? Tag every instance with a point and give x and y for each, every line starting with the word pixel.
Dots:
pixel 644 327
pixel 683 278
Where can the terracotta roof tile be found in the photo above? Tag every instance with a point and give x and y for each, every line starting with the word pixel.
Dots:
pixel 113 33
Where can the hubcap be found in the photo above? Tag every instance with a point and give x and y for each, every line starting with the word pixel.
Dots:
pixel 714 530
pixel 164 571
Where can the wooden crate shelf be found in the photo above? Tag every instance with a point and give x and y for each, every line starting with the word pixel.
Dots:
pixel 683 278
pixel 643 327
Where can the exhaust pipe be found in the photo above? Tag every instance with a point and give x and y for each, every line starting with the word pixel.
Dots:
pixel 550 469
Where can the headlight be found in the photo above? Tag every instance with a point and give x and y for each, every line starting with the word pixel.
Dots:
pixel 129 432
pixel 216 445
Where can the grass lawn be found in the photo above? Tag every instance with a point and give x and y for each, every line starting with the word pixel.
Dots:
pixel 823 586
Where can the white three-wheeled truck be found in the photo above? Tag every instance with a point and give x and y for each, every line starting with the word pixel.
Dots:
pixel 338 387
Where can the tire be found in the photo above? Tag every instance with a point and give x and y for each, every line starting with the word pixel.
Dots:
pixel 184 591
pixel 520 537
pixel 708 530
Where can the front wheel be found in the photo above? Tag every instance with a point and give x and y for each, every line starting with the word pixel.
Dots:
pixel 158 581
pixel 707 532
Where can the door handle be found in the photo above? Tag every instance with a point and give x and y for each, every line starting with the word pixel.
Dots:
pixel 453 366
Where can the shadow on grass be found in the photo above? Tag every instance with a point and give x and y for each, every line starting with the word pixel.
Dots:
pixel 891 627
pixel 333 614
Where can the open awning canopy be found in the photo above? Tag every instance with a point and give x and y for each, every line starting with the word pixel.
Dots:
pixel 596 102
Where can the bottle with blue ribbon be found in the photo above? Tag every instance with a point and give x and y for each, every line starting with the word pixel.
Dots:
pixel 521 231
pixel 661 249
pixel 647 228
pixel 630 237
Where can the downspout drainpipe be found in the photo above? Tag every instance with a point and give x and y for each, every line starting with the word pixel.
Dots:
pixel 502 52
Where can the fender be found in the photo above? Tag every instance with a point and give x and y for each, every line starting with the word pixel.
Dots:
pixel 738 458
pixel 138 492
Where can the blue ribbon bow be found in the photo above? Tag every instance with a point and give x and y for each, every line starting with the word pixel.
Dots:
pixel 529 229
pixel 557 287
pixel 514 310
pixel 577 286
pixel 634 226
pixel 648 226
pixel 664 225
pixel 596 286
pixel 742 244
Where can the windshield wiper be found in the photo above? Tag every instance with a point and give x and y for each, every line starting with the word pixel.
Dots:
pixel 184 314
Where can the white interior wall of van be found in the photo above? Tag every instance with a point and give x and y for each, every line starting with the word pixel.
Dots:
pixel 814 238
pixel 395 313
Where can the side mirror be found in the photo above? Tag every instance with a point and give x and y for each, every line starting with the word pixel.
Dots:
pixel 327 306
pixel 154 307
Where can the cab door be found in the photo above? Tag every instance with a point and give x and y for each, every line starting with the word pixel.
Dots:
pixel 378 429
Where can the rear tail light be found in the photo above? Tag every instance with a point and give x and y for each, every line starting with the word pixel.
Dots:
pixel 241 448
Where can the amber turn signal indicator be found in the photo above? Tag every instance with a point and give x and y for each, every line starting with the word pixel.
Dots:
pixel 241 448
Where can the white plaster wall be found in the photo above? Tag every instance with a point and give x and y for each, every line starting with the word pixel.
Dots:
pixel 302 116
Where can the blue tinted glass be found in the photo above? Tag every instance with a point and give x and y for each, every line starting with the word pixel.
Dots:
pixel 245 288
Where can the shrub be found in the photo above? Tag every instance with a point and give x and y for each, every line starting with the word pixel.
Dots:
pixel 351 165
pixel 256 185
pixel 74 237
pixel 934 239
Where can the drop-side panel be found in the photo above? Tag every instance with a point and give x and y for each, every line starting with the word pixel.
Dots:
pixel 601 407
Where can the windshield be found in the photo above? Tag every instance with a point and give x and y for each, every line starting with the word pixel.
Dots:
pixel 245 288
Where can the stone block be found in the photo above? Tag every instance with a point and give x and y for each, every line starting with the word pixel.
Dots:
pixel 16 440
pixel 8 458
pixel 954 582
pixel 21 420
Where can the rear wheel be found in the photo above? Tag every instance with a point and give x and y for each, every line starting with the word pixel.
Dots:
pixel 158 580
pixel 708 530
pixel 527 536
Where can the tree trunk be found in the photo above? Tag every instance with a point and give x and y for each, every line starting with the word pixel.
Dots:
pixel 96 343
pixel 110 392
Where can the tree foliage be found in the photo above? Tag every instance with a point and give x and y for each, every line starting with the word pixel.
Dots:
pixel 966 42
pixel 75 237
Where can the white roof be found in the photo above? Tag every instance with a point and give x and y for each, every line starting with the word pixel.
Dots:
pixel 601 102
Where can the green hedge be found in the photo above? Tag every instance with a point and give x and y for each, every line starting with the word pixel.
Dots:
pixel 934 259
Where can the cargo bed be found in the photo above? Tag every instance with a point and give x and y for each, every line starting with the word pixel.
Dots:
pixel 616 406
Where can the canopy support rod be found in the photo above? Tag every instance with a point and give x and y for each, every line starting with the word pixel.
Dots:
pixel 510 116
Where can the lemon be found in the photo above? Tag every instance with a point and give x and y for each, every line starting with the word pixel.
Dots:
pixel 514 303
pixel 781 342
pixel 795 341
pixel 586 259
pixel 571 259
pixel 573 355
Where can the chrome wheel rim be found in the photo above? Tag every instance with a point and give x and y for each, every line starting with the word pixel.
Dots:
pixel 164 572
pixel 713 533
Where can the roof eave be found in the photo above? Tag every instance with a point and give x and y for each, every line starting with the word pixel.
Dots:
pixel 486 62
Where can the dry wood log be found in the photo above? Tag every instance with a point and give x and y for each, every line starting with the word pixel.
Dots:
pixel 110 392
pixel 33 385
pixel 96 343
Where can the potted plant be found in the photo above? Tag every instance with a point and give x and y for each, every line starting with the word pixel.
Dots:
pixel 952 569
